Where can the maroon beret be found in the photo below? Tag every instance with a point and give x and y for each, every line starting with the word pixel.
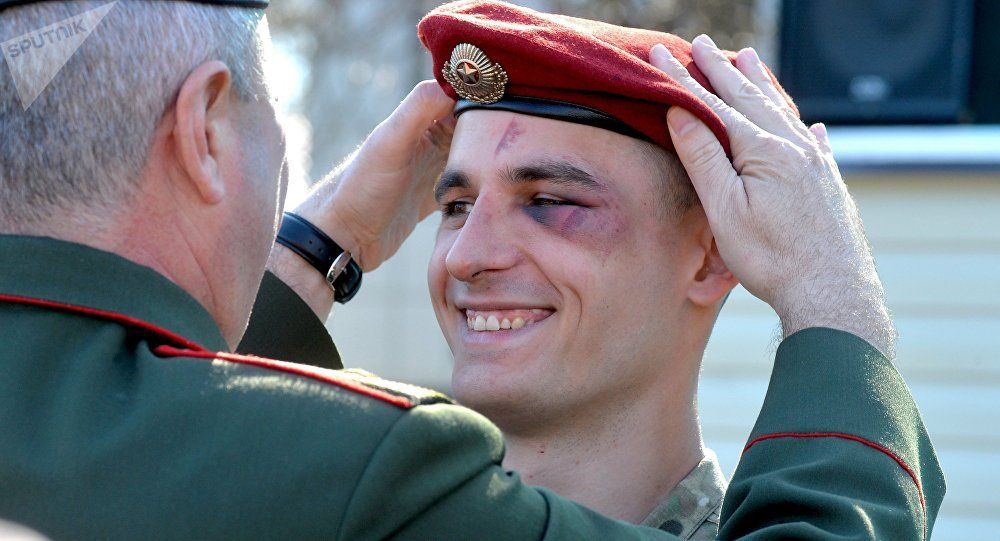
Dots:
pixel 494 55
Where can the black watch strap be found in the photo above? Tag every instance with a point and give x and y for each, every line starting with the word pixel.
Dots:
pixel 313 245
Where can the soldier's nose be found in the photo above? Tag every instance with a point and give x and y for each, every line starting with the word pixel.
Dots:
pixel 482 245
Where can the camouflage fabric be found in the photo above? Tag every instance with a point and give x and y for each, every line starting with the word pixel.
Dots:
pixel 692 509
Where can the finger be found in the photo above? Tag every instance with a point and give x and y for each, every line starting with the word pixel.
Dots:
pixel 740 93
pixel 448 122
pixel 750 65
pixel 741 130
pixel 440 135
pixel 704 159
pixel 424 104
pixel 822 137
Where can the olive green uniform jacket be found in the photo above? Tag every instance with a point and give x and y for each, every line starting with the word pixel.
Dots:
pixel 121 417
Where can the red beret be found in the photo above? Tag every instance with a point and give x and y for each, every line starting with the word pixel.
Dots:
pixel 499 56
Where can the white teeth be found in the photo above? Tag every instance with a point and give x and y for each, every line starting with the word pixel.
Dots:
pixel 492 324
pixel 479 322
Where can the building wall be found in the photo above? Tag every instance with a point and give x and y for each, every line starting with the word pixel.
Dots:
pixel 937 243
pixel 936 239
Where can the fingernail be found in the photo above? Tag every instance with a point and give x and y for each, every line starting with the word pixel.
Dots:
pixel 821 130
pixel 753 55
pixel 707 41
pixel 679 121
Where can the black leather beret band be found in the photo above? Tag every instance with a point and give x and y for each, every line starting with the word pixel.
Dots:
pixel 262 4
pixel 319 250
pixel 554 109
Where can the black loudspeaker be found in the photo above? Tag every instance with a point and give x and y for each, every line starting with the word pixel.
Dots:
pixel 878 61
pixel 984 89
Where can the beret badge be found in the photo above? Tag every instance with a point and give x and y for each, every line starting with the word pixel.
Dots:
pixel 473 75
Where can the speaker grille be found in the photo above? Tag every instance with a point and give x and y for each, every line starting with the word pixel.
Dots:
pixel 877 60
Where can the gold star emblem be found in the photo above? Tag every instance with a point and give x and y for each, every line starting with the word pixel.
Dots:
pixel 473 75
pixel 469 72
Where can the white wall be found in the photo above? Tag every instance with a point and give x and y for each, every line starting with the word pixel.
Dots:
pixel 937 243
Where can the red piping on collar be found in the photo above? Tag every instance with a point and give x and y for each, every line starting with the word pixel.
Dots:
pixel 162 336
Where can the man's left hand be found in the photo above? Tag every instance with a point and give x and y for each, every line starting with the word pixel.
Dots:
pixel 780 211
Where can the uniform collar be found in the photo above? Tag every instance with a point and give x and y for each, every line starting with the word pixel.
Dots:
pixel 68 273
pixel 691 510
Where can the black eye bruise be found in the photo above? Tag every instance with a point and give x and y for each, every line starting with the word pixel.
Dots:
pixel 539 213
pixel 539 209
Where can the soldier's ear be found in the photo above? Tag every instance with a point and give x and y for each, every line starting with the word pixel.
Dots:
pixel 713 281
pixel 203 129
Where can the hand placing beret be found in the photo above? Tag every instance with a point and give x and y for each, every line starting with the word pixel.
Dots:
pixel 371 203
pixel 782 217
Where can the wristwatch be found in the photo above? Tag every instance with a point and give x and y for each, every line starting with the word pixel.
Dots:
pixel 342 273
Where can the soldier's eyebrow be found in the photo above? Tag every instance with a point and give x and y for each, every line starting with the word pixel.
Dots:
pixel 555 171
pixel 558 172
pixel 450 179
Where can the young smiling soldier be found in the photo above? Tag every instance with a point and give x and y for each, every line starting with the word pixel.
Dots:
pixel 139 199
pixel 575 276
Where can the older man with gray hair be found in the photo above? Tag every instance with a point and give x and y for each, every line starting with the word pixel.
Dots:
pixel 91 160
pixel 141 192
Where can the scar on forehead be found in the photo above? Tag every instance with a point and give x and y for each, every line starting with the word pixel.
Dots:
pixel 510 135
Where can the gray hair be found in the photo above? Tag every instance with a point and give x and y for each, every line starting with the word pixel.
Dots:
pixel 84 141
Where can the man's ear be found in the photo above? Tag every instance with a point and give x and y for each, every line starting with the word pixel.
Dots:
pixel 713 281
pixel 202 127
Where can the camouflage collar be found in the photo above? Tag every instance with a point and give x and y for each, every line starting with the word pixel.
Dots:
pixel 691 510
pixel 68 273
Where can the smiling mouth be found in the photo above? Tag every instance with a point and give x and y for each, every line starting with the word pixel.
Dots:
pixel 500 320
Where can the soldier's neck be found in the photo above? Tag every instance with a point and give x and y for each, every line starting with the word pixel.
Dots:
pixel 622 462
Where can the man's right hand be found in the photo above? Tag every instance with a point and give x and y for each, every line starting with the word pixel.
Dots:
pixel 782 217
pixel 371 203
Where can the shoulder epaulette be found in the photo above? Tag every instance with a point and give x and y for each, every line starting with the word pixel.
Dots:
pixel 398 394
pixel 416 394
pixel 172 345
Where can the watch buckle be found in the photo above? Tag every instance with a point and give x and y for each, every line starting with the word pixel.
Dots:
pixel 339 264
